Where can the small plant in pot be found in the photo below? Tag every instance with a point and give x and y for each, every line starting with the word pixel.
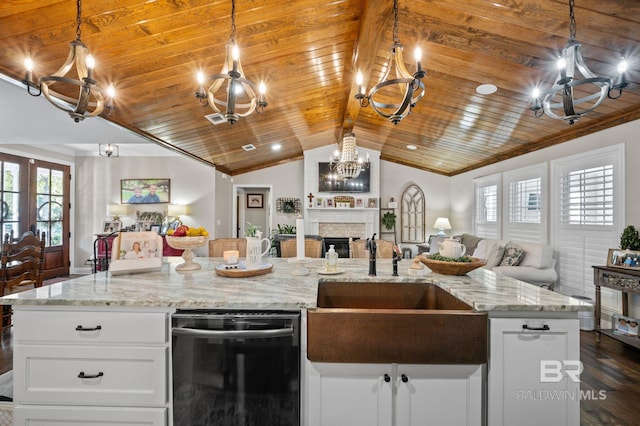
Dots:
pixel 389 220
pixel 630 238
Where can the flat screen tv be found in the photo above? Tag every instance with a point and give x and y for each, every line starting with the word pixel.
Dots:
pixel 328 180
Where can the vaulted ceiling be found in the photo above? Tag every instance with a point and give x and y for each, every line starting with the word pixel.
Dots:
pixel 308 52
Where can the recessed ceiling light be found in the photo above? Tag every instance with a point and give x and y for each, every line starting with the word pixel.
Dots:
pixel 276 147
pixel 486 89
pixel 412 147
pixel 248 147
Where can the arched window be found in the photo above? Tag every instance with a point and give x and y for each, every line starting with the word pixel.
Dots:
pixel 412 211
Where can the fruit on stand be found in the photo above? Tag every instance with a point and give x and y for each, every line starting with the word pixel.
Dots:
pixel 186 231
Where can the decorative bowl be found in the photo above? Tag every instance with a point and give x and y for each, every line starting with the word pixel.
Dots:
pixel 451 268
pixel 186 244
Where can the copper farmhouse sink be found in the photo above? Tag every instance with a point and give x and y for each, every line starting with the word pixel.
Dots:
pixel 409 323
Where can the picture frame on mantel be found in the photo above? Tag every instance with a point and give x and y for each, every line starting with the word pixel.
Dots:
pixel 627 259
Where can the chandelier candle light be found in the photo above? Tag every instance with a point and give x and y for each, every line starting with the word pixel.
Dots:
pixel 91 99
pixel 559 101
pixel 241 99
pixel 409 86
pixel 348 163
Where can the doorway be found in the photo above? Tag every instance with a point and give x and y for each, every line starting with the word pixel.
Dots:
pixel 252 204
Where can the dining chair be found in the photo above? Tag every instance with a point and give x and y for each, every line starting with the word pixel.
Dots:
pixel 358 249
pixel 21 267
pixel 218 246
pixel 312 248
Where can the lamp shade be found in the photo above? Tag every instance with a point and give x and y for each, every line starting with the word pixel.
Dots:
pixel 442 223
pixel 176 210
pixel 117 210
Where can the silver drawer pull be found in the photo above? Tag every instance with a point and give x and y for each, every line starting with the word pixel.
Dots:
pixel 90 376
pixel 81 328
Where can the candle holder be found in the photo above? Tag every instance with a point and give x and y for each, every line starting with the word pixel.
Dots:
pixel 300 265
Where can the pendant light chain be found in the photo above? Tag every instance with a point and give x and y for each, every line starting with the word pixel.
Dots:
pixel 572 22
pixel 78 18
pixel 233 21
pixel 396 40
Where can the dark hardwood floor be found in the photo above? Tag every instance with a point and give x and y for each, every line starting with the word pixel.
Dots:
pixel 610 380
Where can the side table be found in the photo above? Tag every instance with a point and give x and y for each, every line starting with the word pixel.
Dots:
pixel 620 279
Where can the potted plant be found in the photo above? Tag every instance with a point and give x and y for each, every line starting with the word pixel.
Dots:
pixel 389 220
pixel 250 230
pixel 630 238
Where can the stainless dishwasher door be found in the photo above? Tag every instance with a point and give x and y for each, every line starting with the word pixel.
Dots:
pixel 236 368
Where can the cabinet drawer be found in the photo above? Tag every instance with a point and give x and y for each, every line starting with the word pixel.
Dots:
pixel 112 376
pixel 64 416
pixel 90 327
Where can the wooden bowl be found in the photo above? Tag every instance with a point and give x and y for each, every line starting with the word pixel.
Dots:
pixel 451 268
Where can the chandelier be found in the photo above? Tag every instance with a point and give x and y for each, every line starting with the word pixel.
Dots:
pixel 90 100
pixel 572 97
pixel 347 164
pixel 230 89
pixel 383 97
pixel 108 150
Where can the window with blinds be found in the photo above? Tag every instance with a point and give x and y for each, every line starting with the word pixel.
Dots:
pixel 524 206
pixel 486 214
pixel 586 196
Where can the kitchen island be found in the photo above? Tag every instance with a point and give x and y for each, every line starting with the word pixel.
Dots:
pixel 125 320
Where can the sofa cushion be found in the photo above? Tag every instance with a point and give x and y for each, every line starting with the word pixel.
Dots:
pixel 470 242
pixel 513 255
pixel 537 255
pixel 495 256
pixel 541 277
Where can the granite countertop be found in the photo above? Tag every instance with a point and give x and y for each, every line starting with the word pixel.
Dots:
pixel 279 289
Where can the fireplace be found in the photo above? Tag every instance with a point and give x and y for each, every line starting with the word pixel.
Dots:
pixel 340 244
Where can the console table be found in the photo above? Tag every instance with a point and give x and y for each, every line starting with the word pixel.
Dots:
pixel 621 279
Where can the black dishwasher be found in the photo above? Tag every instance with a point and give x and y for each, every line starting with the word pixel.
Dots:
pixel 236 368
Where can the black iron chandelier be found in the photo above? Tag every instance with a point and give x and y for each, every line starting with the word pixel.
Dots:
pixel 91 98
pixel 230 89
pixel 571 97
pixel 383 97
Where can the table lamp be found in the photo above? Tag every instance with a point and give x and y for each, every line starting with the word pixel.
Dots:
pixel 116 210
pixel 441 224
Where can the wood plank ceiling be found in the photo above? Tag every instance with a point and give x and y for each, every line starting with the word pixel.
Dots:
pixel 308 52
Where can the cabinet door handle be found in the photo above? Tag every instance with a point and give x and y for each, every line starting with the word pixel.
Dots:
pixel 543 328
pixel 404 378
pixel 387 378
pixel 81 328
pixel 90 376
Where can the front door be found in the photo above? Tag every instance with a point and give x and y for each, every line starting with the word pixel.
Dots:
pixel 35 196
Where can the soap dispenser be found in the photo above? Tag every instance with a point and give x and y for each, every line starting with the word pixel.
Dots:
pixel 331 260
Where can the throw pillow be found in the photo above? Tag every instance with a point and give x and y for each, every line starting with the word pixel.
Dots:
pixel 495 256
pixel 513 255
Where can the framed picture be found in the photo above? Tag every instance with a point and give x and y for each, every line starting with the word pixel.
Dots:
pixel 255 201
pixel 319 202
pixel 329 202
pixel 145 191
pixel 372 203
pixel 137 245
pixel 155 228
pixel 359 203
pixel 624 258
pixel 163 229
pixel 111 226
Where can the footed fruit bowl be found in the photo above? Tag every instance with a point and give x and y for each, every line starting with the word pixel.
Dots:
pixel 187 244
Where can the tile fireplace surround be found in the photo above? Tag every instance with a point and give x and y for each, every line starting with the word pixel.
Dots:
pixel 356 223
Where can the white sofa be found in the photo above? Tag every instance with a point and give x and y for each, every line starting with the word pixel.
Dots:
pixel 536 267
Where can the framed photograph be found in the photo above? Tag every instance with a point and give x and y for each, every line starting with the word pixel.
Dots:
pixel 163 229
pixel 359 203
pixel 372 203
pixel 137 245
pixel 320 202
pixel 155 228
pixel 624 259
pixel 145 191
pixel 329 202
pixel 255 201
pixel 625 326
pixel 111 226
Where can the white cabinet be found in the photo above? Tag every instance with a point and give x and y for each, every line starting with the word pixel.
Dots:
pixel 90 365
pixel 393 394
pixel 533 363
